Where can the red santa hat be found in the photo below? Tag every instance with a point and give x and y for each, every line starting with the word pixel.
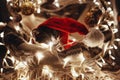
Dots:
pixel 65 26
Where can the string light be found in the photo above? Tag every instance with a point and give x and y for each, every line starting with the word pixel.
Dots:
pixel 17 28
pixel 109 3
pixel 74 73
pixel 50 45
pixel 1 43
pixel 9 0
pixel 115 31
pixel 47 71
pixel 67 61
pixel 8 51
pixel 1 70
pixel 56 3
pixel 2 34
pixel 20 65
pixel 11 17
pixel 39 56
pixel 110 54
pixel 109 9
pixel 99 63
pixel 115 47
pixel 2 24
pixel 103 60
pixel 39 1
pixel 97 3
pixel 38 10
pixel 118 39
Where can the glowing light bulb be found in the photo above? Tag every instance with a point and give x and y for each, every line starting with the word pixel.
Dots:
pixel 30 41
pixel 99 63
pixel 11 17
pixel 38 10
pixel 47 71
pixel 44 45
pixel 2 34
pixel 81 57
pixel 17 28
pixel 74 73
pixel 39 1
pixel 109 9
pixel 56 78
pixel 23 78
pixel 108 3
pixel 5 62
pixel 115 47
pixel 9 0
pixel 21 64
pixel 110 54
pixel 66 60
pixel 110 23
pixel 82 75
pixel 90 69
pixel 103 60
pixel 39 56
pixel 57 3
pixel 110 47
pixel 1 70
pixel 8 51
pixel 74 40
pixel 97 3
pixel 94 0
pixel 1 43
pixel 2 24
pixel 117 39
pixel 50 45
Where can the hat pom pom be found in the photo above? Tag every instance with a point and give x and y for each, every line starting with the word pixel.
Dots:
pixel 94 38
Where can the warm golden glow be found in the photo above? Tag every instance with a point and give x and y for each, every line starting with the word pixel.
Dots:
pixel 57 3
pixel 74 73
pixel 46 71
pixel 20 65
pixel 39 56
pixel 17 28
pixel 1 70
pixel 2 34
pixel 75 64
pixel 11 17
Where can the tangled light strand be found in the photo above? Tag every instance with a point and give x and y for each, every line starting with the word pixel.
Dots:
pixel 31 69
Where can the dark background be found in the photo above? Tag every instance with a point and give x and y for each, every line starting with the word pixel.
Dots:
pixel 4 14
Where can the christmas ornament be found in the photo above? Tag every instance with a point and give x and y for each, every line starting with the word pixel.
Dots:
pixel 13 7
pixel 27 8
